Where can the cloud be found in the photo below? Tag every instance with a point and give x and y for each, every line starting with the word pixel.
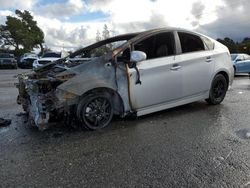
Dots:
pixel 59 34
pixel 232 21
pixel 168 12
pixel 3 15
pixel 17 4
pixel 61 10
pixel 197 9
pixel 218 18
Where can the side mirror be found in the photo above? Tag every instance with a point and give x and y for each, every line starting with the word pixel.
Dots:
pixel 237 60
pixel 137 56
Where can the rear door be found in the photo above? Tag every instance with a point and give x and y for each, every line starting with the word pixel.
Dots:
pixel 197 63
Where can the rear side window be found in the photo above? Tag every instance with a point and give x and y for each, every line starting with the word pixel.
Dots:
pixel 190 43
pixel 159 45
pixel 209 44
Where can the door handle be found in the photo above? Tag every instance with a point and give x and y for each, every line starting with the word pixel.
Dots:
pixel 175 67
pixel 208 59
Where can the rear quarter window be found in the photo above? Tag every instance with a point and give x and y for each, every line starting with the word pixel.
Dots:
pixel 208 43
pixel 190 42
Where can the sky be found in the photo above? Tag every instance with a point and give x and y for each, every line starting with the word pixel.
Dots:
pixel 71 24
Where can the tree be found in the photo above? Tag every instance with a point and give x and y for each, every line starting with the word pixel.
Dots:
pixel 230 44
pixel 105 32
pixel 105 35
pixel 21 31
pixel 246 40
pixel 98 36
pixel 244 46
pixel 11 34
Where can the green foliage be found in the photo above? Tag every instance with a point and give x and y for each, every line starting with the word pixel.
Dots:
pixel 21 32
pixel 236 47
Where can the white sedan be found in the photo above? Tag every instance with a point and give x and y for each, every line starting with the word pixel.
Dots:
pixel 46 58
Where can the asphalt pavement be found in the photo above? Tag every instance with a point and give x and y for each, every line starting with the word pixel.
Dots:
pixel 195 145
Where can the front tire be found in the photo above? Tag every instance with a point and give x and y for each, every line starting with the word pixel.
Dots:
pixel 95 111
pixel 218 90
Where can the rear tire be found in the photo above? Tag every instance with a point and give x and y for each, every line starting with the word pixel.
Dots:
pixel 218 90
pixel 95 111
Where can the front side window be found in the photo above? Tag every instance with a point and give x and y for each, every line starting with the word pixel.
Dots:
pixel 240 58
pixel 190 42
pixel 159 45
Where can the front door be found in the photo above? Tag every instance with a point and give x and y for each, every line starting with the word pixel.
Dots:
pixel 160 76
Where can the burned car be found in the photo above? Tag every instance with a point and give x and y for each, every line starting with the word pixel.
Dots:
pixel 131 74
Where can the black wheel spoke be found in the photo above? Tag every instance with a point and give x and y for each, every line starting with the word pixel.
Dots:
pixel 96 121
pixel 97 112
pixel 90 114
pixel 218 90
pixel 106 114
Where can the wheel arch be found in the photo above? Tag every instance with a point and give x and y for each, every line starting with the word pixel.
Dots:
pixel 116 98
pixel 225 74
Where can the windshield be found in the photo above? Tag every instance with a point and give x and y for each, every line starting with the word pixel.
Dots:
pixel 5 55
pixel 233 57
pixel 29 55
pixel 103 47
pixel 52 54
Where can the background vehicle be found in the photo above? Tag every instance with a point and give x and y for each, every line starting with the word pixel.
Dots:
pixel 150 71
pixel 241 63
pixel 47 58
pixel 7 60
pixel 26 60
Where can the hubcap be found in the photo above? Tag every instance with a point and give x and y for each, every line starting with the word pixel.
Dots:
pixel 219 89
pixel 97 112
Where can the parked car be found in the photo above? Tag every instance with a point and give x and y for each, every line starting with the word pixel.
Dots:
pixel 7 60
pixel 241 63
pixel 46 58
pixel 26 60
pixel 151 71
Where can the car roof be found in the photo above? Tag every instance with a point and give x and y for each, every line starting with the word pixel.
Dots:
pixel 126 37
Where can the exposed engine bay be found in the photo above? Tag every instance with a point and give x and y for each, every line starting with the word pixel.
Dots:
pixel 52 92
pixel 37 93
